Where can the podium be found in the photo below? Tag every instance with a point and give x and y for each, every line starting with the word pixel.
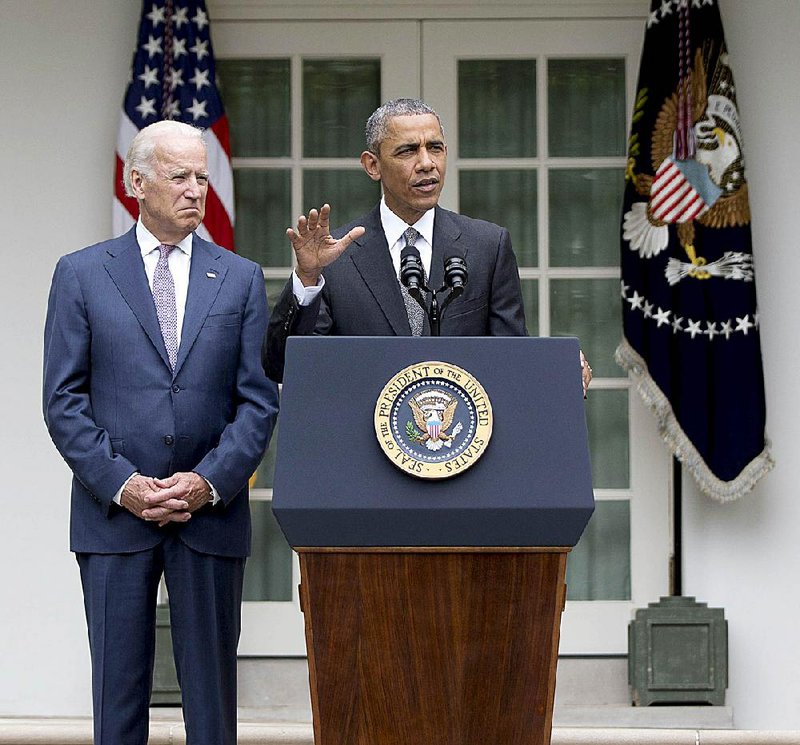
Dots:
pixel 432 606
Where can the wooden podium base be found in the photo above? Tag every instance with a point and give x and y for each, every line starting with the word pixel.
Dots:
pixel 432 646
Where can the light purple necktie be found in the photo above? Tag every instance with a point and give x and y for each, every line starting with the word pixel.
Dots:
pixel 164 296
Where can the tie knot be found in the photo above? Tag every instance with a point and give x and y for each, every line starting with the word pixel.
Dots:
pixel 411 236
pixel 165 249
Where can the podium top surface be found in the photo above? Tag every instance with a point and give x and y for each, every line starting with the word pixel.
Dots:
pixel 335 486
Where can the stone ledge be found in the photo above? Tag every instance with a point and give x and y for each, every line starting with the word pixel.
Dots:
pixel 79 732
pixel 644 717
pixel 44 731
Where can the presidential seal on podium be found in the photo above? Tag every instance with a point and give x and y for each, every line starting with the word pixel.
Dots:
pixel 433 420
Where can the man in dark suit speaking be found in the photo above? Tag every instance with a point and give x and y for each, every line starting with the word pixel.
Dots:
pixel 155 397
pixel 348 284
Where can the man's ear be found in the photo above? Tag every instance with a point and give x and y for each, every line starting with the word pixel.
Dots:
pixel 371 165
pixel 136 184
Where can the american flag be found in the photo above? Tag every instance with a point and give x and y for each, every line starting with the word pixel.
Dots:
pixel 173 77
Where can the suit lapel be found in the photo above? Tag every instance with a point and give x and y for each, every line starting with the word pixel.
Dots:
pixel 126 269
pixel 206 275
pixel 446 233
pixel 374 263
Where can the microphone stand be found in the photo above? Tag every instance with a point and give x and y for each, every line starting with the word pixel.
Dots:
pixel 433 316
pixel 412 276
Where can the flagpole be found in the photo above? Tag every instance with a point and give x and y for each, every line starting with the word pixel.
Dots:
pixel 676 578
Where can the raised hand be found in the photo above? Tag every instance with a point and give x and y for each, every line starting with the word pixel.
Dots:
pixel 314 246
pixel 586 373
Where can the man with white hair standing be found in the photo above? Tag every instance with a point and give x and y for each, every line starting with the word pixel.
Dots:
pixel 155 397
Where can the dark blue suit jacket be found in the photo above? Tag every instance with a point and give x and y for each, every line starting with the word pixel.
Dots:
pixel 361 296
pixel 113 406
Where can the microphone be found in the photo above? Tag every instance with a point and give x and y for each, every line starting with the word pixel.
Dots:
pixel 412 275
pixel 455 271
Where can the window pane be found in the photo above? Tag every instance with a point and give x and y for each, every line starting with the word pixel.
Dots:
pixel 607 422
pixel 349 193
pixel 257 100
pixel 586 113
pixel 263 212
pixel 497 108
pixel 338 97
pixel 530 300
pixel 589 309
pixel 599 567
pixel 507 198
pixel 585 208
pixel 274 289
pixel 268 572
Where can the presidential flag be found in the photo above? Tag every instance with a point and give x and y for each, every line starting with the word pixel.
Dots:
pixel 690 319
pixel 173 77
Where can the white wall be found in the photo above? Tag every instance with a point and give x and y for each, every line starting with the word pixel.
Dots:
pixel 744 556
pixel 63 69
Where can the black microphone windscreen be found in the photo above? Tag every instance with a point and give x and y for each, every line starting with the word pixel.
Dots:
pixel 455 268
pixel 454 252
pixel 411 271
pixel 409 251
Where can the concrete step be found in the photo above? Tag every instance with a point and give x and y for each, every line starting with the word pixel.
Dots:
pixel 164 732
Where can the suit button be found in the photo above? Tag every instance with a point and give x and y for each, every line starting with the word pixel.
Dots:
pixel 168 439
pixel 176 388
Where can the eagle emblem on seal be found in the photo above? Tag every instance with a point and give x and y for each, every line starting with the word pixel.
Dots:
pixel 433 411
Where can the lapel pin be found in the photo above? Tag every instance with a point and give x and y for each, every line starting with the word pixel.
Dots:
pixel 211 275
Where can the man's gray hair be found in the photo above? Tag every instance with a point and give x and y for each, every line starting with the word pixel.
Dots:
pixel 378 123
pixel 143 146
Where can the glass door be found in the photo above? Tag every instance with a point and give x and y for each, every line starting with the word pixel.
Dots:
pixel 536 116
pixel 297 97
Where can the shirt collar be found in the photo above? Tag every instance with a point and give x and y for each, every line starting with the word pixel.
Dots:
pixel 148 242
pixel 394 227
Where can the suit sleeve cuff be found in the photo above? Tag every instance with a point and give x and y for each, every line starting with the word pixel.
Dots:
pixel 215 497
pixel 118 496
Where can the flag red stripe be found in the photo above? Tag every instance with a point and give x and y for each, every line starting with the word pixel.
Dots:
pixel 690 209
pixel 217 222
pixel 222 131
pixel 666 188
pixel 129 203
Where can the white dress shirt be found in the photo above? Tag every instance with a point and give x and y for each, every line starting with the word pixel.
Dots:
pixel 394 227
pixel 179 263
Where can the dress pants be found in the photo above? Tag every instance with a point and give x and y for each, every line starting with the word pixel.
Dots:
pixel 205 594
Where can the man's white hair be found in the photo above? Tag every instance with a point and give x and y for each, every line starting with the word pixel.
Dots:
pixel 143 146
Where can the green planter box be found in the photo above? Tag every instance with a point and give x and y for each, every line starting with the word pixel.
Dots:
pixel 678 654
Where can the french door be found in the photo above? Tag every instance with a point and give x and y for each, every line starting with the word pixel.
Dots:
pixel 535 115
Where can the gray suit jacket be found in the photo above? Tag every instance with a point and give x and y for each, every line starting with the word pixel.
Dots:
pixel 361 296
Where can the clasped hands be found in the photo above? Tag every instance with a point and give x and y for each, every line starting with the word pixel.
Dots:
pixel 166 500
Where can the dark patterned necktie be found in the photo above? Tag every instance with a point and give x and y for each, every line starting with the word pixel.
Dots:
pixel 416 316
pixel 164 296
